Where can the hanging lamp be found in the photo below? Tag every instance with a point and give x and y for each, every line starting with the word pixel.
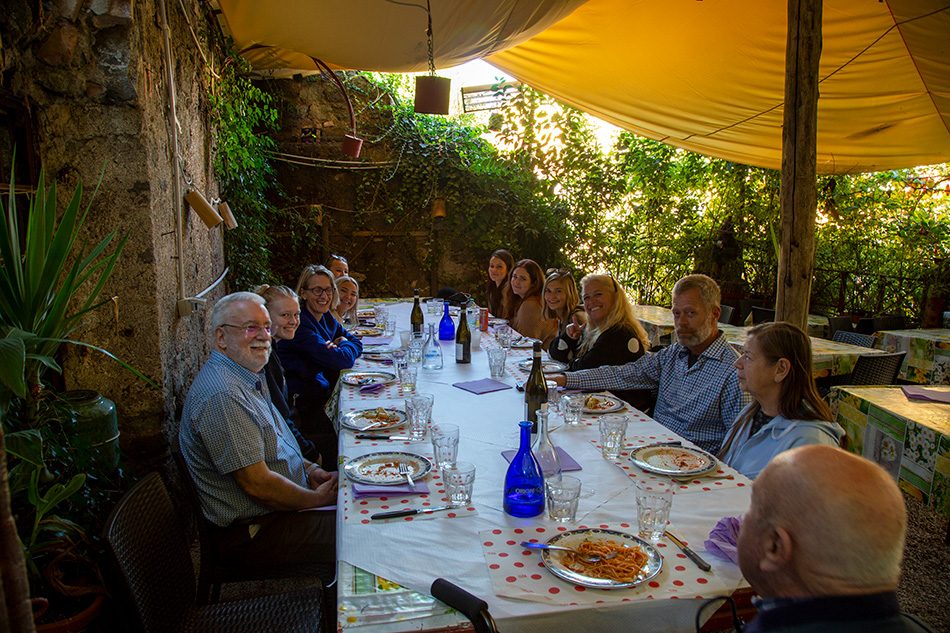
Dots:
pixel 432 92
pixel 351 143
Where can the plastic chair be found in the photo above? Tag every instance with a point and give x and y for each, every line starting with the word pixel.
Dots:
pixel 150 552
pixel 472 607
pixel 762 315
pixel 853 338
pixel 725 316
pixel 881 369
pixel 837 323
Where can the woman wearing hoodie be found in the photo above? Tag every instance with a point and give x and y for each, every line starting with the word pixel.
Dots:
pixel 775 368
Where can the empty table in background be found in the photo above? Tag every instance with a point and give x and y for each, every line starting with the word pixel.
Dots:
pixel 928 353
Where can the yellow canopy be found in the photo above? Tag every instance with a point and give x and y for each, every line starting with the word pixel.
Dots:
pixel 705 76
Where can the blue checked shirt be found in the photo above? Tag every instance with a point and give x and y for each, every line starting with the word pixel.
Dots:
pixel 699 403
pixel 228 422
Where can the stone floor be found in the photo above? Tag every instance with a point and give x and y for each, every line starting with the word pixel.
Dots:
pixel 925 583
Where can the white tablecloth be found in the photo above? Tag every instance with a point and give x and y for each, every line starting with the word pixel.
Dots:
pixel 414 553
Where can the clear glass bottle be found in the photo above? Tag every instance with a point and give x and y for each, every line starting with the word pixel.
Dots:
pixel 544 449
pixel 446 325
pixel 524 486
pixel 432 351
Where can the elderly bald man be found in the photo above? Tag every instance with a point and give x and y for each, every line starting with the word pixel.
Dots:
pixel 822 545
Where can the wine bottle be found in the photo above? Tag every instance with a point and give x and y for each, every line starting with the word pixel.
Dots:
pixel 415 317
pixel 446 326
pixel 432 351
pixel 535 389
pixel 524 486
pixel 544 449
pixel 463 339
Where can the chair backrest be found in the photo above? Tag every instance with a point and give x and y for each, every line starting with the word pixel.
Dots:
pixel 762 315
pixel 880 369
pixel 151 553
pixel 853 338
pixel 894 322
pixel 837 323
pixel 865 325
pixel 725 316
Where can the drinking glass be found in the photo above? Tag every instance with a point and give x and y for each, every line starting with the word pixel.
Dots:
pixel 562 495
pixel 459 481
pixel 407 372
pixel 504 334
pixel 572 407
pixel 416 342
pixel 554 395
pixel 445 444
pixel 654 500
pixel 434 307
pixel 613 431
pixel 419 412
pixel 390 326
pixel 496 361
pixel 380 312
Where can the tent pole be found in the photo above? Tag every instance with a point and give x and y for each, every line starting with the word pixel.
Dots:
pixel 799 195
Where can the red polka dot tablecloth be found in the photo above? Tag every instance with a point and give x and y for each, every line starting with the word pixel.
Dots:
pixel 518 573
pixel 358 509
pixel 392 390
pixel 720 479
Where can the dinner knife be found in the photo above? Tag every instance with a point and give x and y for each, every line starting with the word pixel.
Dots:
pixel 408 513
pixel 693 556
pixel 363 436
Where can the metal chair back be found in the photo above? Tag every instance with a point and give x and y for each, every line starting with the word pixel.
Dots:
pixel 881 369
pixel 853 338
pixel 725 315
pixel 762 315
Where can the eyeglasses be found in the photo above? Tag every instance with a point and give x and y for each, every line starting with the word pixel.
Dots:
pixel 320 292
pixel 337 258
pixel 250 331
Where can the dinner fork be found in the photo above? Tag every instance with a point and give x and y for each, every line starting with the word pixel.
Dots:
pixel 584 557
pixel 404 470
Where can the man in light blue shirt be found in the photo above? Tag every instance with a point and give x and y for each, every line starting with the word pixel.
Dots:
pixel 246 464
pixel 698 394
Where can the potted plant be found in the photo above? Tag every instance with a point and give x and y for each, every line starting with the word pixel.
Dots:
pixel 48 282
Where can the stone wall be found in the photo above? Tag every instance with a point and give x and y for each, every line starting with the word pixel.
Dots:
pixel 93 74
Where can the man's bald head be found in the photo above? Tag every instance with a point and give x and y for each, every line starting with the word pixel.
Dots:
pixel 823 522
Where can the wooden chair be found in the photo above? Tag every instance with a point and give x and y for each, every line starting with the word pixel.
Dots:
pixel 725 316
pixel 149 549
pixel 853 338
pixel 762 315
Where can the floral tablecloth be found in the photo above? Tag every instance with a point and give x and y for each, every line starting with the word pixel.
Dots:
pixel 910 439
pixel 928 354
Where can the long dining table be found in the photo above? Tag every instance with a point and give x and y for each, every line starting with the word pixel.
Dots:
pixel 386 567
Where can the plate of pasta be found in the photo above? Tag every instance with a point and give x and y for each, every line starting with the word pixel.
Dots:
pixel 378 419
pixel 635 561
pixel 365 330
pixel 382 469
pixel 602 403
pixel 676 461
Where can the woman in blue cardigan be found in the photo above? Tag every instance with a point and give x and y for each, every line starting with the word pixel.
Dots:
pixel 775 368
pixel 314 357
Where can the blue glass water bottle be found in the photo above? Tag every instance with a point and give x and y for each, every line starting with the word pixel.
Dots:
pixel 524 487
pixel 446 325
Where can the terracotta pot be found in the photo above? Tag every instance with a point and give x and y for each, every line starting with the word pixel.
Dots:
pixel 73 624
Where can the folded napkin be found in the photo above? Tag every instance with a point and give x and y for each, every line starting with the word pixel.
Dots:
pixel 925 394
pixel 568 463
pixel 376 340
pixel 372 388
pixel 723 538
pixel 368 490
pixel 485 385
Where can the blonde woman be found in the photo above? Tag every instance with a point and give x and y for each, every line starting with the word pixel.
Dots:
pixel 562 303
pixel 284 310
pixel 348 293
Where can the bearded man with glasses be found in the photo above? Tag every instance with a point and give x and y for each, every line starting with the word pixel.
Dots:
pixel 246 464
pixel 314 357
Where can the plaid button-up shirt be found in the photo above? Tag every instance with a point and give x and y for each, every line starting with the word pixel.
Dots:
pixel 700 402
pixel 228 422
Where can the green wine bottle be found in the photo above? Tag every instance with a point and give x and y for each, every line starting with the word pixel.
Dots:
pixel 535 389
pixel 463 339
pixel 416 318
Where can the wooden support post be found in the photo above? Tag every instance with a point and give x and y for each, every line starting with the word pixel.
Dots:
pixel 799 196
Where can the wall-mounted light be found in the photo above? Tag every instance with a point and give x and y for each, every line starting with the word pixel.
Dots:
pixel 438 208
pixel 432 92
pixel 203 208
pixel 224 210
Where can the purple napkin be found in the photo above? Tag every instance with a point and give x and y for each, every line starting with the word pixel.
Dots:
pixel 485 385
pixel 926 395
pixel 568 463
pixel 376 340
pixel 368 490
pixel 722 540
pixel 372 388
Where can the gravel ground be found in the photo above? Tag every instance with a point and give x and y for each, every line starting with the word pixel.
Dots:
pixel 925 583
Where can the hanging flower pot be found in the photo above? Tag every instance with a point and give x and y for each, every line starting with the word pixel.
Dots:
pixel 432 94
